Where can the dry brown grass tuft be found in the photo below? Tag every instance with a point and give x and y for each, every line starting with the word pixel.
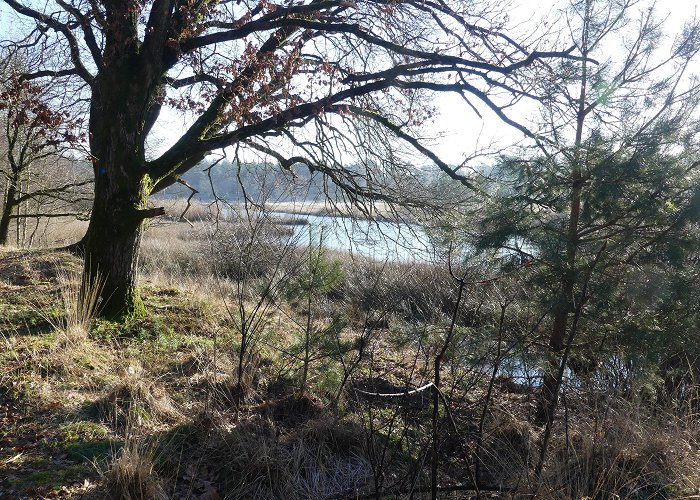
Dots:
pixel 73 357
pixel 136 400
pixel 507 450
pixel 81 303
pixel 131 474
pixel 294 409
pixel 204 364
pixel 215 372
pixel 230 389
pixel 629 455
pixel 317 460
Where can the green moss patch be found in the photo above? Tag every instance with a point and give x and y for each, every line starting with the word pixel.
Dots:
pixel 53 477
pixel 90 451
pixel 83 429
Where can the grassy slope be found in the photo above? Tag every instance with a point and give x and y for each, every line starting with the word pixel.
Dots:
pixel 153 388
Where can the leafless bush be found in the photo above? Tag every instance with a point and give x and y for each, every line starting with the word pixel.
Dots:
pixel 418 291
pixel 251 247
pixel 259 258
pixel 180 209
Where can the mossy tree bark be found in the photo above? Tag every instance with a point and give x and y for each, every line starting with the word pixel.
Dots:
pixel 112 247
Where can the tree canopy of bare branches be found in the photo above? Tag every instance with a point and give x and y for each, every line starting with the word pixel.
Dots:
pixel 310 75
pixel 38 130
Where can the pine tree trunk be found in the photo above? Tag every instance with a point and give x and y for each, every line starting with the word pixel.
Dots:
pixel 549 395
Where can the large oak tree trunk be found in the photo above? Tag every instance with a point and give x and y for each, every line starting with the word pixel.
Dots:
pixel 112 246
pixel 122 188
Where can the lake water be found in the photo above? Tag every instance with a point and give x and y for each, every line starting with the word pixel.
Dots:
pixel 380 240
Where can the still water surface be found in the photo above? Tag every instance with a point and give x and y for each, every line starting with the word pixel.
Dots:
pixel 381 240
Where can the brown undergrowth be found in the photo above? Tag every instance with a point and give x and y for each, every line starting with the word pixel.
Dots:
pixel 152 409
